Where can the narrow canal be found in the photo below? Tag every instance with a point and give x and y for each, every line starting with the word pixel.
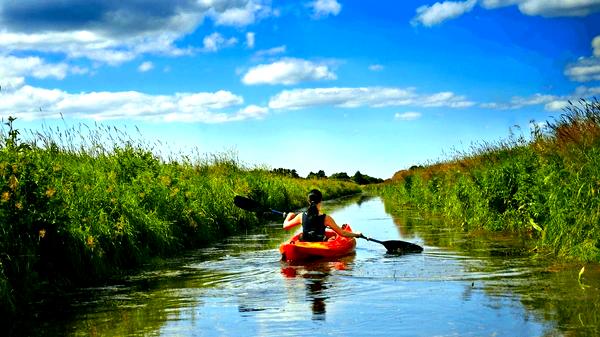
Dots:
pixel 461 285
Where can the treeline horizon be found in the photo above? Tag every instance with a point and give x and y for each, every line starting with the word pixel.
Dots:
pixel 358 177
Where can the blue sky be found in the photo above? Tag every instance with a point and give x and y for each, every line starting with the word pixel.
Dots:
pixel 339 86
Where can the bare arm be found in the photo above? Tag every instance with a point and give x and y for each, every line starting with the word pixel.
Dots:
pixel 329 222
pixel 291 220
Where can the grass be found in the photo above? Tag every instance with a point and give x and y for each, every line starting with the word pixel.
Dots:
pixel 79 206
pixel 546 187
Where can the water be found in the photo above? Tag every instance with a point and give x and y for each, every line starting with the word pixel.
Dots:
pixel 463 284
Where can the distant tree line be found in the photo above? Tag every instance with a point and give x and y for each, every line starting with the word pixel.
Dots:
pixel 359 178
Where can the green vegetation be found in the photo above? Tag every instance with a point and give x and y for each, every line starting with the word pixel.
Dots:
pixel 546 187
pixel 79 206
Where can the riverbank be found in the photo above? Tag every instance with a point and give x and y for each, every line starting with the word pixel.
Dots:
pixel 546 187
pixel 80 207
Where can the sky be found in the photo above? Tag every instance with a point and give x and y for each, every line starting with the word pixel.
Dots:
pixel 333 85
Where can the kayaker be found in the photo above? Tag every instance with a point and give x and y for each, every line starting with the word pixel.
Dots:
pixel 314 222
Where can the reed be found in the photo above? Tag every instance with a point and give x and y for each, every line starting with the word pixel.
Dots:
pixel 81 205
pixel 546 187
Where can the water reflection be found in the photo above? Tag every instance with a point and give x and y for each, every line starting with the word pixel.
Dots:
pixel 315 275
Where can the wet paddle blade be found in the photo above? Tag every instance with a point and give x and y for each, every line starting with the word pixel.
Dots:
pixel 248 204
pixel 401 247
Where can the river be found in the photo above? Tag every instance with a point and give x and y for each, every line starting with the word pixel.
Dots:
pixel 463 284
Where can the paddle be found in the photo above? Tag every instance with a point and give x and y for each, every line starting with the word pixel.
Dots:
pixel 392 246
pixel 253 206
pixel 397 246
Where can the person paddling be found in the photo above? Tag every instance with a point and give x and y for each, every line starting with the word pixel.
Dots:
pixel 314 222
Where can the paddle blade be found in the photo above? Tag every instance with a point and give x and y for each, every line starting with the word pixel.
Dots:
pixel 248 204
pixel 401 247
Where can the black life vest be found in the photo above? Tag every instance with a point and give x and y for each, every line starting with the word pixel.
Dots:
pixel 313 228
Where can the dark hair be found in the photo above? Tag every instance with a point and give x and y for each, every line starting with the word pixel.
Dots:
pixel 314 197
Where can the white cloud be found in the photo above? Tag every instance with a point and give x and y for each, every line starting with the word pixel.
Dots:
pixel 441 11
pixel 118 31
pixel 31 103
pixel 145 66
pixel 548 8
pixel 518 102
pixel 556 105
pixel 215 41
pixel 596 46
pixel 240 14
pixel 288 71
pixel 363 97
pixel 550 102
pixel 323 8
pixel 253 111
pixel 270 52
pixel 376 67
pixel 15 70
pixel 407 116
pixel 250 39
pixel 586 68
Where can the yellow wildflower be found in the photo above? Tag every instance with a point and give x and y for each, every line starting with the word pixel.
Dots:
pixel 42 233
pixel 5 196
pixel 50 192
pixel 90 241
pixel 13 182
pixel 19 205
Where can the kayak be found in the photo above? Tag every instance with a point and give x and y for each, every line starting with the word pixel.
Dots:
pixel 335 246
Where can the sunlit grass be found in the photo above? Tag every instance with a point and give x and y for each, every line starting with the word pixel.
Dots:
pixel 83 204
pixel 546 187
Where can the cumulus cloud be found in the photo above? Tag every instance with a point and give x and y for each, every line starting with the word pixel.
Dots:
pixel 323 8
pixel 518 102
pixel 363 97
pixel 407 116
pixel 548 8
pixel 32 103
pixel 288 71
pixel 215 41
pixel 238 13
pixel 441 11
pixel 115 31
pixel 550 102
pixel 11 66
pixel 586 69
pixel 145 66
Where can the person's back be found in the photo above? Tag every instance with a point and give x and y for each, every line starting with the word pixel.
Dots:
pixel 313 227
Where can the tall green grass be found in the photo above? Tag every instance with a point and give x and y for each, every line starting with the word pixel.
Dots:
pixel 546 187
pixel 78 206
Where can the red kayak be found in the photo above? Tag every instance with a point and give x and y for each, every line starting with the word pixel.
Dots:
pixel 335 246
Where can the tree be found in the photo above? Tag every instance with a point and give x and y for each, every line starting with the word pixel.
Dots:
pixel 318 175
pixel 340 176
pixel 286 172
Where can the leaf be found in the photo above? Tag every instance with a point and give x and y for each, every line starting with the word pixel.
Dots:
pixel 535 226
pixel 581 273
